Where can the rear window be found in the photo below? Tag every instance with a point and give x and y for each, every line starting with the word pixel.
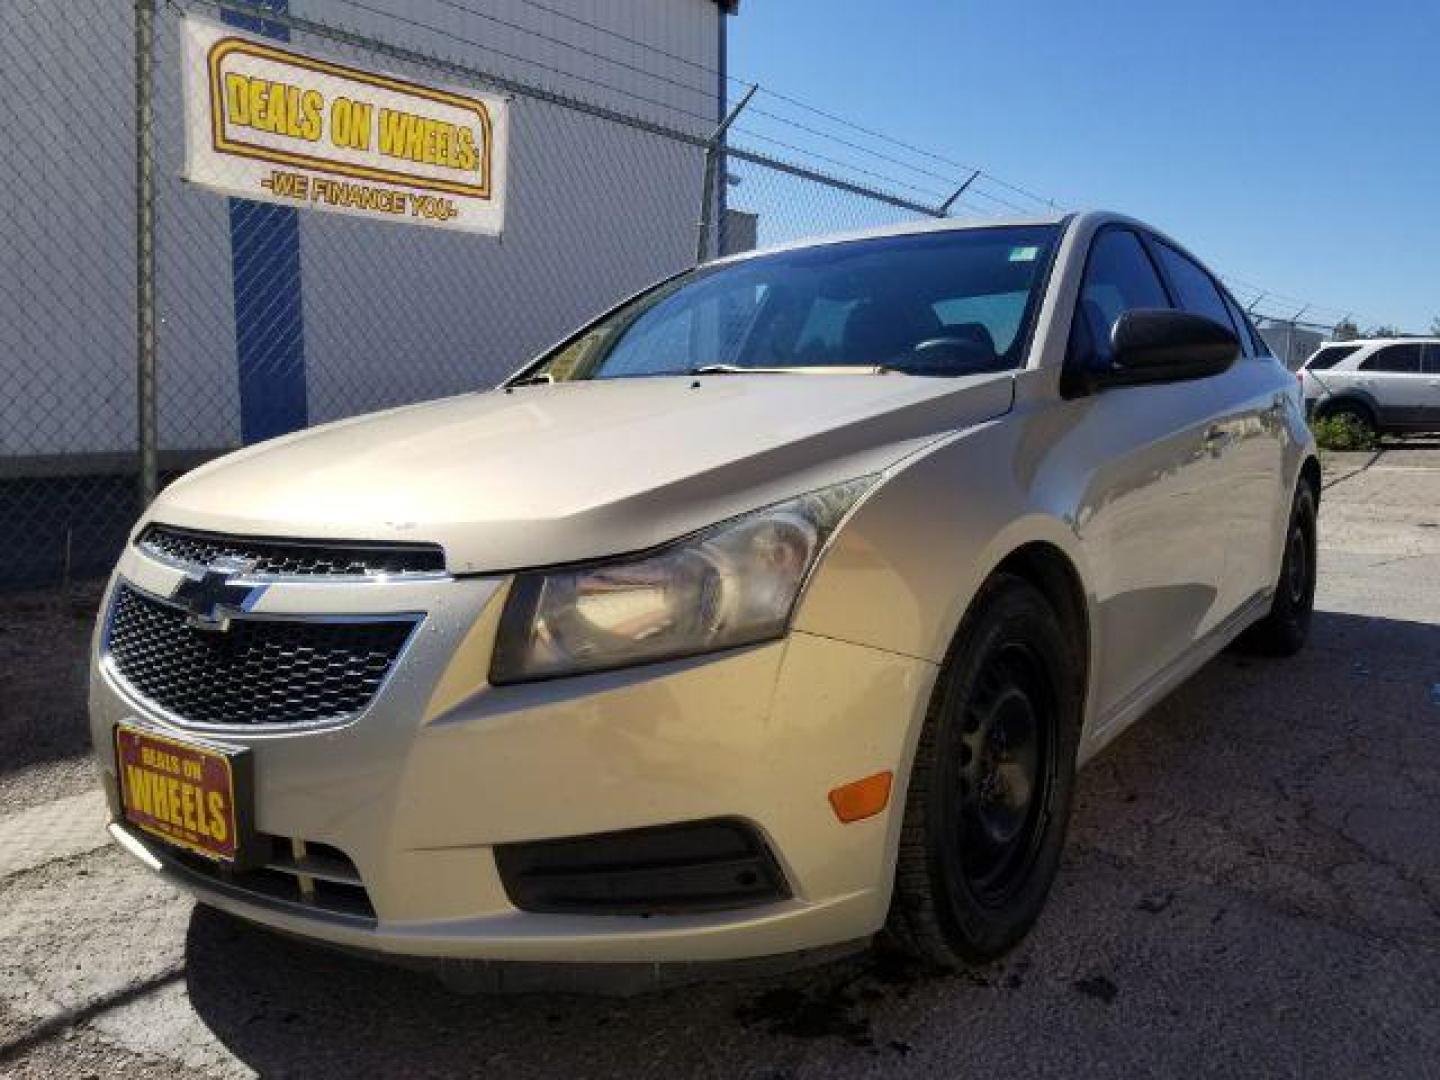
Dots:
pixel 1329 356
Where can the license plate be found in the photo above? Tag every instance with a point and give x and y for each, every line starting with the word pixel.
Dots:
pixel 184 793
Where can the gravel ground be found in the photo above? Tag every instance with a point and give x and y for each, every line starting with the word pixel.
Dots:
pixel 43 643
pixel 1252 887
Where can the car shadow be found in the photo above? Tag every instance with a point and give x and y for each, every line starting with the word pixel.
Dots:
pixel 1214 825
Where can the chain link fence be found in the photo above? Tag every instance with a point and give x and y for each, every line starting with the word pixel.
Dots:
pixel 266 318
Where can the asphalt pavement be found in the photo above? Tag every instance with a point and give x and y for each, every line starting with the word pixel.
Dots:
pixel 1252 887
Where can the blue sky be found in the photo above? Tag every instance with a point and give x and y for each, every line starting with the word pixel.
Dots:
pixel 1292 145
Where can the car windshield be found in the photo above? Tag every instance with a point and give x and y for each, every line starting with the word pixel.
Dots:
pixel 946 303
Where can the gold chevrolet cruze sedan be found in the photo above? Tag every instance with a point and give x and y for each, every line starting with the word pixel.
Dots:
pixel 773 609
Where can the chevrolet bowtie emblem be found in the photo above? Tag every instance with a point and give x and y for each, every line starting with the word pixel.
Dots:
pixel 211 596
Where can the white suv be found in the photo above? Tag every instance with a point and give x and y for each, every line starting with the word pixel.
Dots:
pixel 1384 384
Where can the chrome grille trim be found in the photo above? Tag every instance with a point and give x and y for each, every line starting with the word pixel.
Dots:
pixel 285 559
pixel 123 664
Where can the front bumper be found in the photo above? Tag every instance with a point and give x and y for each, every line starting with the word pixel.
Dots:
pixel 419 789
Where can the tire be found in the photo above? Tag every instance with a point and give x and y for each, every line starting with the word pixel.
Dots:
pixel 1283 631
pixel 1357 414
pixel 976 858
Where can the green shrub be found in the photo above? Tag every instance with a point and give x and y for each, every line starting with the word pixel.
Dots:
pixel 1343 433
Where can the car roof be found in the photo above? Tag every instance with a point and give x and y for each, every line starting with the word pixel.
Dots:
pixel 1085 219
pixel 905 228
pixel 1365 343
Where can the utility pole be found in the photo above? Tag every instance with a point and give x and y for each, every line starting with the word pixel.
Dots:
pixel 147 426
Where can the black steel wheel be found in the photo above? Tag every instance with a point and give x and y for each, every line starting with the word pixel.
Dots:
pixel 1284 630
pixel 990 789
pixel 1006 766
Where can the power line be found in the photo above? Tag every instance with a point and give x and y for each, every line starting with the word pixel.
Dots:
pixel 562 72
pixel 609 32
pixel 980 174
pixel 813 109
pixel 847 165
pixel 455 5
pixel 565 73
pixel 756 111
pixel 836 119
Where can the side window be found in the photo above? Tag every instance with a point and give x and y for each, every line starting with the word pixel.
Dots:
pixel 1329 356
pixel 1404 359
pixel 1262 346
pixel 1242 328
pixel 1432 358
pixel 1118 278
pixel 1194 288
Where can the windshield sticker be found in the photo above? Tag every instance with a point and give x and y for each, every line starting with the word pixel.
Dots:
pixel 1024 254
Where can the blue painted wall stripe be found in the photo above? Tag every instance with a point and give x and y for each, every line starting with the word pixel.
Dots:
pixel 269 317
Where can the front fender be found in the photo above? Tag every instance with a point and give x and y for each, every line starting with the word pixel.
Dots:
pixel 904 569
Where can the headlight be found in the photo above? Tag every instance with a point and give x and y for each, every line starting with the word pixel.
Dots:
pixel 733 584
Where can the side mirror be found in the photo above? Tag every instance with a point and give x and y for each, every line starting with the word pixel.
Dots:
pixel 1152 345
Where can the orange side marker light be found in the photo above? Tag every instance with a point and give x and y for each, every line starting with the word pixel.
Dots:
pixel 861 799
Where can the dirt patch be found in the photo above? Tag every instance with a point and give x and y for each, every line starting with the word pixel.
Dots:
pixel 44 654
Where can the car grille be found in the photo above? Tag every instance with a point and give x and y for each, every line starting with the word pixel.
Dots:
pixel 293 558
pixel 257 671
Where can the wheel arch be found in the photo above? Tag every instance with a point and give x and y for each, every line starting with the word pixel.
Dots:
pixel 1353 398
pixel 1050 570
pixel 1310 474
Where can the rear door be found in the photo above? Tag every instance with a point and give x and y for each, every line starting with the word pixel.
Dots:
pixel 1247 439
pixel 1151 516
pixel 1394 376
pixel 1431 418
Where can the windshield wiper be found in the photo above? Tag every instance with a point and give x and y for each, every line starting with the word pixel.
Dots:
pixel 540 378
pixel 799 369
pixel 737 369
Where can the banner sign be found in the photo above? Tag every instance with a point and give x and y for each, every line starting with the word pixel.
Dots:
pixel 265 122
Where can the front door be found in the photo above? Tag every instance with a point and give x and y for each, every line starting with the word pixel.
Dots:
pixel 1152 519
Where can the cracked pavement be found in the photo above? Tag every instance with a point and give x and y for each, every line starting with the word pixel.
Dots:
pixel 1252 887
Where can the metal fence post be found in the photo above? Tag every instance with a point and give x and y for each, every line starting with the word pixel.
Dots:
pixel 707 192
pixel 944 208
pixel 145 398
pixel 1290 337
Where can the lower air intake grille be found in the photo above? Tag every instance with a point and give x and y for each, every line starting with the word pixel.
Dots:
pixel 258 671
pixel 699 866
pixel 322 877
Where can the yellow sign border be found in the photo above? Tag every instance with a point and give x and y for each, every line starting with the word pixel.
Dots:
pixel 150 733
pixel 225 47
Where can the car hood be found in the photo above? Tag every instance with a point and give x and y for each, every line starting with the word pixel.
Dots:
pixel 547 474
